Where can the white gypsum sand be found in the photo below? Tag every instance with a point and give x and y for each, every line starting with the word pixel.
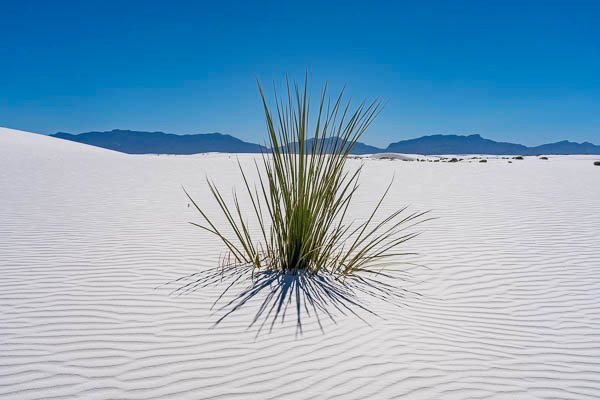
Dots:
pixel 507 305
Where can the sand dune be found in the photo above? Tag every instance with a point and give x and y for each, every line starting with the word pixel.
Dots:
pixel 507 305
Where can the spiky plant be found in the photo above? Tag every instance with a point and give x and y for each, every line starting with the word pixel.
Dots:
pixel 304 193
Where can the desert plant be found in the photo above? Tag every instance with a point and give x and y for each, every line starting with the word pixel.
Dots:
pixel 303 195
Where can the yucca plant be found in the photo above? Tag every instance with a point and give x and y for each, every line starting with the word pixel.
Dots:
pixel 301 200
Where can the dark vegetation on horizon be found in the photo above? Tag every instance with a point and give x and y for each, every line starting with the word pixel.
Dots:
pixel 135 142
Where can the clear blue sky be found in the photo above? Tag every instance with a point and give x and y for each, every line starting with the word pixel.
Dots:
pixel 521 71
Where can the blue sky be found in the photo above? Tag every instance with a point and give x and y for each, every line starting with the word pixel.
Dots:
pixel 526 71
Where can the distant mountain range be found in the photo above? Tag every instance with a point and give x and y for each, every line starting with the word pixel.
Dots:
pixel 475 144
pixel 135 142
pixel 358 148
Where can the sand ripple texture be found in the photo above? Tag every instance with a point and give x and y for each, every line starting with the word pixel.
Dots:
pixel 509 304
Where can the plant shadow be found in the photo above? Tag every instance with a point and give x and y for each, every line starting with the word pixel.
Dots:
pixel 302 294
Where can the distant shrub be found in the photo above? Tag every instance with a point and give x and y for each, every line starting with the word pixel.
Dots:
pixel 597 163
pixel 518 158
pixel 482 161
pixel 543 158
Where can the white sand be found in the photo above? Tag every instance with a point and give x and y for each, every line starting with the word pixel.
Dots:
pixel 392 156
pixel 509 305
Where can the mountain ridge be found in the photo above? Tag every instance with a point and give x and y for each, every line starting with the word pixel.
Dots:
pixel 140 142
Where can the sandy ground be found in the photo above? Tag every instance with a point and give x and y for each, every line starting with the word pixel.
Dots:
pixel 508 304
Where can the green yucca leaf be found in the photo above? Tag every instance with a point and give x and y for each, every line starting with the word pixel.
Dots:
pixel 303 193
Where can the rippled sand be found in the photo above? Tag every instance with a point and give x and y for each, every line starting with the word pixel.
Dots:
pixel 507 303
